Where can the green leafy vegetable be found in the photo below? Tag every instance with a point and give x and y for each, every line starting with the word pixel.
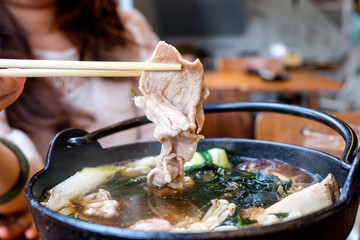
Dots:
pixel 134 93
pixel 245 189
pixel 237 220
pixel 116 182
pixel 206 156
pixel 281 215
pixel 213 181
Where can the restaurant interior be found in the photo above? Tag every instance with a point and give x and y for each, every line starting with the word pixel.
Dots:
pixel 301 54
pixel 307 45
pixel 304 53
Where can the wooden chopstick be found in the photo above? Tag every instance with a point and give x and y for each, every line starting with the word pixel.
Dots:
pixel 103 65
pixel 17 72
pixel 57 68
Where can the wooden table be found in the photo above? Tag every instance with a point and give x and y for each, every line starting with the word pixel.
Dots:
pixel 230 86
pixel 298 82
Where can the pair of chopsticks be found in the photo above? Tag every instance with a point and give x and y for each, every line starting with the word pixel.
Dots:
pixel 56 68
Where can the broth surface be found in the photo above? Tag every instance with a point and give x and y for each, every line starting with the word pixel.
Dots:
pixel 245 189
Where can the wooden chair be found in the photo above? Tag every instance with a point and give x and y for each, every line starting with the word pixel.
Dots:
pixel 230 64
pixel 227 124
pixel 284 128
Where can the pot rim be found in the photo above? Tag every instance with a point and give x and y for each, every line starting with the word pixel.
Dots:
pixel 252 231
pixel 347 197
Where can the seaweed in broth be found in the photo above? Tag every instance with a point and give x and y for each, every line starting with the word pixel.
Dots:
pixel 142 201
pixel 217 195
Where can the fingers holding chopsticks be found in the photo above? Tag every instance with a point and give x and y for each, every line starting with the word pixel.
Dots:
pixel 10 90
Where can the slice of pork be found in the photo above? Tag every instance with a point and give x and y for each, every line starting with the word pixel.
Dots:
pixel 173 101
pixel 100 204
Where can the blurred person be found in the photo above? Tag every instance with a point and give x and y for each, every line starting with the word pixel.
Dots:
pixel 351 30
pixel 61 30
pixel 346 99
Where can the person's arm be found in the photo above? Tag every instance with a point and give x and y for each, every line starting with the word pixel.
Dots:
pixel 13 176
pixel 19 160
pixel 10 89
pixel 10 169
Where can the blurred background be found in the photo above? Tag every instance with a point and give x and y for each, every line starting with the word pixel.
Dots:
pixel 313 29
pixel 311 47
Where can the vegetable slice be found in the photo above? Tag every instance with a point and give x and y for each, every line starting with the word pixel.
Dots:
pixel 216 156
pixel 196 160
pixel 78 185
pixel 220 158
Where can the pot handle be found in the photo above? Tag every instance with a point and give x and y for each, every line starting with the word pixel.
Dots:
pixel 338 125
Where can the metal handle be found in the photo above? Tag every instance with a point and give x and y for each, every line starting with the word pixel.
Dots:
pixel 106 131
pixel 338 125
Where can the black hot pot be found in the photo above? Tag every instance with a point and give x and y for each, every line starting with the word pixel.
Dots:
pixel 73 149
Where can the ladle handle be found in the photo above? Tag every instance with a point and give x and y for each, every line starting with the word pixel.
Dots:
pixel 338 125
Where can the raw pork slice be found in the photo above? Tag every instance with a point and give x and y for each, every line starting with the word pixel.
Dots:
pixel 173 101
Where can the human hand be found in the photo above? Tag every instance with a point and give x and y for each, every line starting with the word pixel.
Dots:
pixel 10 90
pixel 17 225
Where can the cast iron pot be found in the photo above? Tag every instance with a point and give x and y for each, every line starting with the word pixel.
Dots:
pixel 73 149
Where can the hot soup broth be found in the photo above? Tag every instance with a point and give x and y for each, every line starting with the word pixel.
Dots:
pixel 143 201
pixel 216 196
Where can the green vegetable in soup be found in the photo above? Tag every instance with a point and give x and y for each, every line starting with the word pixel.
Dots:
pixel 214 156
pixel 76 186
pixel 213 178
pixel 281 215
pixel 246 189
pixel 219 157
pixel 237 220
pixel 84 181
